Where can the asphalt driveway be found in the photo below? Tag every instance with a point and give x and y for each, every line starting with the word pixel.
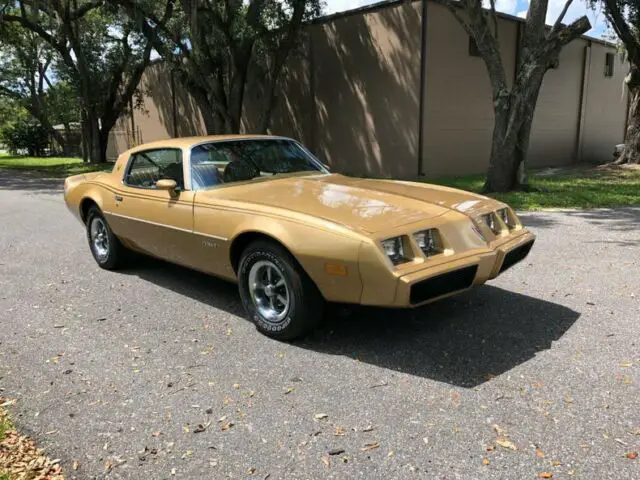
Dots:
pixel 153 372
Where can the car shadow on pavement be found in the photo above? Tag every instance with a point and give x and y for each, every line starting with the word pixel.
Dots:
pixel 463 340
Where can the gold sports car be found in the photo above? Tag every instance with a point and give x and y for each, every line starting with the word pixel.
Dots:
pixel 262 211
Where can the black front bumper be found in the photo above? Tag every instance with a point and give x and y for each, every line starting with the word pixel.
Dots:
pixel 516 255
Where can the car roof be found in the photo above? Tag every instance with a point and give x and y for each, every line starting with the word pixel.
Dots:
pixel 187 142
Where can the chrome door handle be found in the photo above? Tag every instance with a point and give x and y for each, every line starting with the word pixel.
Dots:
pixel 119 198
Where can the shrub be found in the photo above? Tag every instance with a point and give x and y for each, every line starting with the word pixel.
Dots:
pixel 24 136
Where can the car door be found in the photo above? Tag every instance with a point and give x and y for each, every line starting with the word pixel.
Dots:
pixel 155 221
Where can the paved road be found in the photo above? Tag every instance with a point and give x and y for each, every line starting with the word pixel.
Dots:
pixel 117 370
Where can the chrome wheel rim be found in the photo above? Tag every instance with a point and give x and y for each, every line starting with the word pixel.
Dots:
pixel 269 290
pixel 99 238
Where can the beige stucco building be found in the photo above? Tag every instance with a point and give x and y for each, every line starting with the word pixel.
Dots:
pixel 363 100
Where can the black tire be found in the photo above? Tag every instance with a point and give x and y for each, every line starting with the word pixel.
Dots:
pixel 115 252
pixel 305 303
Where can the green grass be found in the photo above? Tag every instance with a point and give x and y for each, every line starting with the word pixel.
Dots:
pixel 54 166
pixel 580 188
pixel 5 425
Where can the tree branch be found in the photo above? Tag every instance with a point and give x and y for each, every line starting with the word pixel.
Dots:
pixel 495 18
pixel 85 8
pixel 622 29
pixel 454 7
pixel 562 14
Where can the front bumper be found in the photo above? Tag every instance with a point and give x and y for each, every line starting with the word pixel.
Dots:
pixel 435 282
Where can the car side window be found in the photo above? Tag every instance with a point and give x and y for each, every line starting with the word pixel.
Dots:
pixel 146 168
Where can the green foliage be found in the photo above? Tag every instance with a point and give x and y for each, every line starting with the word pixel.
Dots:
pixel 25 135
pixel 571 188
pixel 210 45
pixel 51 166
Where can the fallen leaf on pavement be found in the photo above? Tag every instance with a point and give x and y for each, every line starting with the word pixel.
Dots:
pixel 556 463
pixel 368 429
pixel 539 453
pixel 326 460
pixel 626 363
pixel 499 431
pixel 336 451
pixel 339 432
pixel 370 446
pixel 455 398
pixel 320 416
pixel 227 426
pixel 156 434
pixel 545 475
pixel 289 390
pixel 251 471
pixel 200 428
pixel 631 455
pixel 75 465
pixel 506 443
pixel 486 461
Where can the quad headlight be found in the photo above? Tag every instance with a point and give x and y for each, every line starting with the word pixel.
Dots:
pixel 506 218
pixel 492 223
pixel 394 249
pixel 428 242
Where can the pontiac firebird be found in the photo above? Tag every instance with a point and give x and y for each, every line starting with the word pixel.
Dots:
pixel 262 211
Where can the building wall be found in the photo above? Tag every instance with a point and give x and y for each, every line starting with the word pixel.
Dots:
pixel 605 107
pixel 154 117
pixel 459 106
pixel 366 72
pixel 352 94
pixel 556 119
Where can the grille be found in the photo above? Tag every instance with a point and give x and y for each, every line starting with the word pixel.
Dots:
pixel 516 255
pixel 442 284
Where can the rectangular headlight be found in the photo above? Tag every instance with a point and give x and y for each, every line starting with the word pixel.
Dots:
pixel 506 218
pixel 394 249
pixel 428 241
pixel 491 222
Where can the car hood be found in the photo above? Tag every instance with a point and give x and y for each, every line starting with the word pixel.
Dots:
pixel 362 204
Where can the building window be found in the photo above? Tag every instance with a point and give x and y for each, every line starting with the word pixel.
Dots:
pixel 608 65
pixel 473 48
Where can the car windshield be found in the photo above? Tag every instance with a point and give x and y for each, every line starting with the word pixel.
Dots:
pixel 225 162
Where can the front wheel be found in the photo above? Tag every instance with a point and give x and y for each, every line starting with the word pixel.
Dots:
pixel 107 250
pixel 278 295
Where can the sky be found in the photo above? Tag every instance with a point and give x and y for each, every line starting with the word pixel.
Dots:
pixel 512 7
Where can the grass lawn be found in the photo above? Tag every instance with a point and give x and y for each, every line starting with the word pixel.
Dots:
pixel 581 187
pixel 54 166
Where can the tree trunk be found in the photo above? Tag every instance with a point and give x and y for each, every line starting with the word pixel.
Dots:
pixel 631 152
pixel 502 175
pixel 95 141
pixel 84 136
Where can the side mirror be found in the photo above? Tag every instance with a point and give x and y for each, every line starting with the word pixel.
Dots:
pixel 167 184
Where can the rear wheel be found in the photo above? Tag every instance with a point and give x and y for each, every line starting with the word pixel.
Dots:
pixel 107 250
pixel 278 295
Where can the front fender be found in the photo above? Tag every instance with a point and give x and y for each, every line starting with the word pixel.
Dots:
pixel 329 258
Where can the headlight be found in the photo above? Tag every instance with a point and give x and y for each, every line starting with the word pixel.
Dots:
pixel 394 249
pixel 506 218
pixel 490 220
pixel 428 242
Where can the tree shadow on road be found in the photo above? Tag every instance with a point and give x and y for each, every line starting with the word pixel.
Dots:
pixel 33 182
pixel 463 341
